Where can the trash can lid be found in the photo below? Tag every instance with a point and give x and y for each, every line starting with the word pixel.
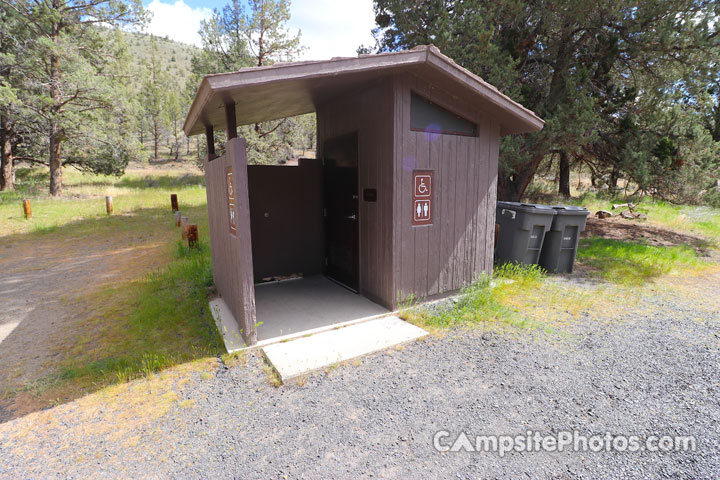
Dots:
pixel 570 210
pixel 527 207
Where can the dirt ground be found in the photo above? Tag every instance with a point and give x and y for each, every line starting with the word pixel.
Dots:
pixel 44 278
pixel 618 228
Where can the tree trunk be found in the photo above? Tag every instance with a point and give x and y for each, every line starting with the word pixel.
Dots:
pixel 564 175
pixel 7 177
pixel 613 182
pixel 156 137
pixel 55 162
pixel 55 134
pixel 512 187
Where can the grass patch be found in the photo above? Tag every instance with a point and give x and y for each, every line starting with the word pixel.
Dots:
pixel 157 322
pixel 83 197
pixel 482 301
pixel 697 219
pixel 634 263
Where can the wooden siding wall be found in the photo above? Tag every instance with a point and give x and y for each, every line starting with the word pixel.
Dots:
pixel 458 246
pixel 370 113
pixel 232 254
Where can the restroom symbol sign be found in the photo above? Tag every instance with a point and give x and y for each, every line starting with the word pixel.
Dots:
pixel 422 197
pixel 422 211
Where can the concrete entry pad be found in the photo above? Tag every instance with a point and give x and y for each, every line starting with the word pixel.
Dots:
pixel 303 355
pixel 295 306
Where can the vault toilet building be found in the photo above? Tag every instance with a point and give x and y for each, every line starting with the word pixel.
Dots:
pixel 401 198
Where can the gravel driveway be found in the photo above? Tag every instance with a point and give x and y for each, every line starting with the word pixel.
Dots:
pixel 653 369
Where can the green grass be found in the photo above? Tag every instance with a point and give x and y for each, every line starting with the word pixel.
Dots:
pixel 143 327
pixel 168 322
pixel 483 300
pixel 84 198
pixel 634 263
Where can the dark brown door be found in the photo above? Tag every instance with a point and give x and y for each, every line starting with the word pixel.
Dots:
pixel 341 211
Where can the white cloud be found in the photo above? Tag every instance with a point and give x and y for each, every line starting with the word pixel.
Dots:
pixel 332 28
pixel 178 21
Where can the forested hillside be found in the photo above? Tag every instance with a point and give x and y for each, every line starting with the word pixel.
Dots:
pixel 77 89
pixel 177 55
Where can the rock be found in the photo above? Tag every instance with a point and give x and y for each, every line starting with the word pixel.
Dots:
pixel 603 214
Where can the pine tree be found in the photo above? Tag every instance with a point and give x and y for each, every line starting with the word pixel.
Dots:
pixel 237 38
pixel 67 66
pixel 604 77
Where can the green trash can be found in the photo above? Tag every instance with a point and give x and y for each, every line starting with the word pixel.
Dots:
pixel 561 241
pixel 522 228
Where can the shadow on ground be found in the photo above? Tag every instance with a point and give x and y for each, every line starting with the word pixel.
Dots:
pixel 616 228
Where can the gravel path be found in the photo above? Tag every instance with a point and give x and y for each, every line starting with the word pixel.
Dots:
pixel 653 369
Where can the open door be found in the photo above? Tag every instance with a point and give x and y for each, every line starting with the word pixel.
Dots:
pixel 342 250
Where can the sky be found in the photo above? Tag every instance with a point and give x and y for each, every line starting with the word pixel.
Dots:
pixel 329 28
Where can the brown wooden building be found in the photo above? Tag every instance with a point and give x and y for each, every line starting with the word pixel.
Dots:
pixel 401 200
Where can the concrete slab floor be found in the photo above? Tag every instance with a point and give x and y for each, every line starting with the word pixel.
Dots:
pixel 294 306
pixel 305 354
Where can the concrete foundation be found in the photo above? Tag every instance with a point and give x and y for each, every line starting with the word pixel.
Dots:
pixel 294 306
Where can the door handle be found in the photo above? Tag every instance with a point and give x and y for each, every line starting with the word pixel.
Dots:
pixel 352 217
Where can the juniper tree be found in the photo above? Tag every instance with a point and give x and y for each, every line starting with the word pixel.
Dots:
pixel 605 77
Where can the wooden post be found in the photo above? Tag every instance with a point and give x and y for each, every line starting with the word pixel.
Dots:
pixel 210 138
pixel 178 216
pixel 27 209
pixel 183 227
pixel 192 236
pixel 173 202
pixel 108 205
pixel 230 121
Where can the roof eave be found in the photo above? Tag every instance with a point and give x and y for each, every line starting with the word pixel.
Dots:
pixel 518 120
pixel 202 98
pixel 527 119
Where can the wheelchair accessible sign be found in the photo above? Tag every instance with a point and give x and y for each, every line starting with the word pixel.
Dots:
pixel 422 197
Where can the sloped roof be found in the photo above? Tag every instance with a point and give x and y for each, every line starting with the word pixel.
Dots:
pixel 293 88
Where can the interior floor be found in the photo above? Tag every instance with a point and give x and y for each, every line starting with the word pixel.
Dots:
pixel 294 306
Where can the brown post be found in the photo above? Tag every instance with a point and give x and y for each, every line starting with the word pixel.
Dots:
pixel 108 205
pixel 183 227
pixel 192 236
pixel 27 209
pixel 210 138
pixel 178 216
pixel 231 121
pixel 173 202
